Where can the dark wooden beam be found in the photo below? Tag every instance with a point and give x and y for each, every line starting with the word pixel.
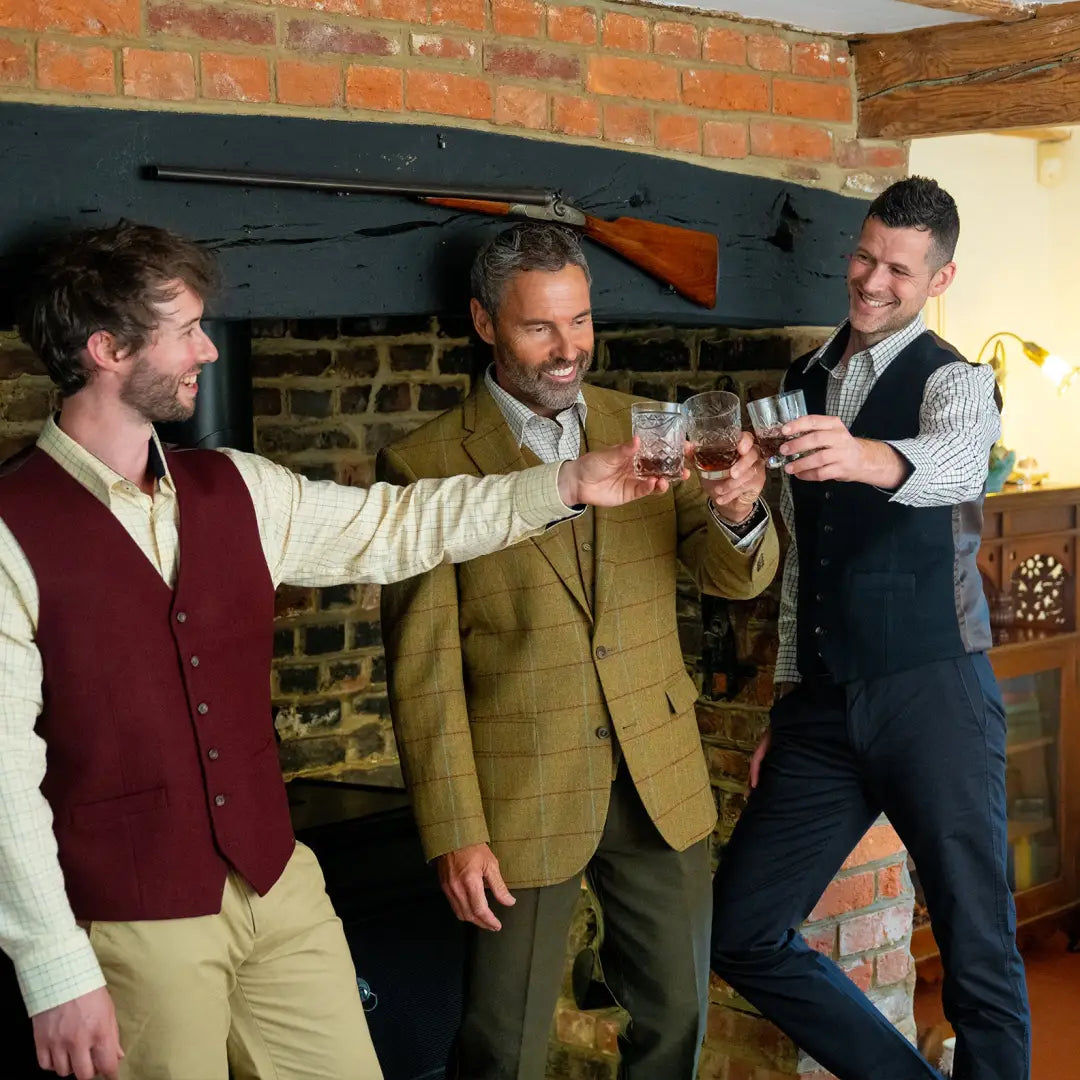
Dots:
pixel 303 254
pixel 999 10
pixel 971 76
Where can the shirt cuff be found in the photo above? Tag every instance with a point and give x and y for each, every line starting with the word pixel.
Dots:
pixel 537 501
pixel 745 538
pixel 787 668
pixel 62 977
pixel 921 468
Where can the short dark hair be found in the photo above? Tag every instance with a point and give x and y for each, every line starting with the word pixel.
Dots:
pixel 921 203
pixel 109 279
pixel 530 245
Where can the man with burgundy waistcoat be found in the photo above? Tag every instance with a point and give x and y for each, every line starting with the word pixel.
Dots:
pixel 888 703
pixel 147 861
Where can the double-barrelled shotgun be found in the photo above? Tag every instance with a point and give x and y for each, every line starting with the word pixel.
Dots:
pixel 685 259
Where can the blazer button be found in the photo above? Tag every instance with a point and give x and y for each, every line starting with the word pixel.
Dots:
pixel 202 708
pixel 601 652
pixel 603 733
pixel 213 755
pixel 194 661
pixel 586 546
pixel 828 528
pixel 181 616
pixel 824 562
pixel 219 800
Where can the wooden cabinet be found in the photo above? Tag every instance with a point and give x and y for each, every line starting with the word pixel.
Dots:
pixel 1028 562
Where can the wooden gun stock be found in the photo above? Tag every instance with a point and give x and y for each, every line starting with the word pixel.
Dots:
pixel 685 259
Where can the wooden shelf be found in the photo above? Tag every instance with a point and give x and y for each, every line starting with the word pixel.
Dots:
pixel 1019 829
pixel 1029 744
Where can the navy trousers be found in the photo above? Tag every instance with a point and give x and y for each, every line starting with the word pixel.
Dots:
pixel 926 747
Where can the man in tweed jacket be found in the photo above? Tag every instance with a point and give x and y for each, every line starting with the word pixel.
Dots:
pixel 543 713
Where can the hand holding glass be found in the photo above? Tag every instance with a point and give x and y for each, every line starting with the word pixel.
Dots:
pixel 661 427
pixel 714 426
pixel 769 415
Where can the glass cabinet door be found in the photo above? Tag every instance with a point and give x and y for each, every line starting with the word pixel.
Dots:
pixel 1033 715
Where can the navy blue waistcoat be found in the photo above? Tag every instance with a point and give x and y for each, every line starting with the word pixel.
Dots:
pixel 884 587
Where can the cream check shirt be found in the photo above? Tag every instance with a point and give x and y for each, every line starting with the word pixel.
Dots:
pixel 312 533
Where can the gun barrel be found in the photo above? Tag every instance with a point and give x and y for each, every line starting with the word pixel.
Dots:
pixel 529 196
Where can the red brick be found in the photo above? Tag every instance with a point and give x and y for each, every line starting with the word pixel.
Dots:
pixel 164 76
pixel 607 1035
pixel 469 13
pixel 96 18
pixel 890 882
pixel 309 35
pixel 523 62
pixel 726 139
pixel 521 106
pixel 413 12
pixel 324 7
pixel 302 83
pixel 812 101
pixel 628 124
pixel 212 23
pixel 773 139
pixel 676 39
pixel 725 91
pixel 821 939
pixel 860 973
pixel 443 47
pixel 845 894
pixel 812 59
pixel 373 88
pixel 575 1028
pixel 841 65
pixel 14 62
pixel 448 94
pixel 626 32
pixel 724 46
pixel 82 71
pixel 730 764
pixel 626 77
pixel 766 52
pixel 231 77
pixel 879 842
pixel 874 929
pixel 517 18
pixel 573 25
pixel 575 116
pixel 893 966
pixel 678 131
pixel 859 155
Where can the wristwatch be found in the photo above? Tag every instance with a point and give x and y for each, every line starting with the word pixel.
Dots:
pixel 748 524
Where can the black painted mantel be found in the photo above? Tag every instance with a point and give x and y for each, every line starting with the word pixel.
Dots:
pixel 307 254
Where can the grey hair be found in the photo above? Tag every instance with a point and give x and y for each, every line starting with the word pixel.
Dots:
pixel 530 245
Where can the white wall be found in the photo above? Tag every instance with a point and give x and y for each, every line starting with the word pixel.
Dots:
pixel 1018 268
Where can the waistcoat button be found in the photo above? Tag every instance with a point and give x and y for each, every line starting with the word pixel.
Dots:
pixel 194 661
pixel 219 800
pixel 181 616
pixel 213 755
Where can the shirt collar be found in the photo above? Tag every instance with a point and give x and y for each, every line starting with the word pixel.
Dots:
pixel 94 475
pixel 881 355
pixel 519 416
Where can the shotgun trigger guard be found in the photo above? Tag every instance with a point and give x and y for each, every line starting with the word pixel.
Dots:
pixel 554 210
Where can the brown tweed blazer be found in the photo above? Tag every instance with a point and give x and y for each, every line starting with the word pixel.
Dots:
pixel 505 676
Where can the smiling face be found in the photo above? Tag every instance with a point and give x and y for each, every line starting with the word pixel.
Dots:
pixel 542 337
pixel 162 381
pixel 891 275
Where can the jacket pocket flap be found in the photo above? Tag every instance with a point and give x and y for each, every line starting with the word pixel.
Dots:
pixel 682 694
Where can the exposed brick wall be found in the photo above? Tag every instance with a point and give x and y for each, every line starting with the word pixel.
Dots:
pixel 328 394
pixel 741 96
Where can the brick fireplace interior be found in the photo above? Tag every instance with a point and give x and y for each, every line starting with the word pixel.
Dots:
pixel 354 310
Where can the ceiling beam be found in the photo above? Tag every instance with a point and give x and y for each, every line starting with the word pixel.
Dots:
pixel 999 10
pixel 971 76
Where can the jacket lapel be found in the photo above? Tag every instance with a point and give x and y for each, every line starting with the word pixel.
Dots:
pixel 492 448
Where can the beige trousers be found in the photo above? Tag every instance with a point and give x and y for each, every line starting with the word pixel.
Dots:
pixel 265 988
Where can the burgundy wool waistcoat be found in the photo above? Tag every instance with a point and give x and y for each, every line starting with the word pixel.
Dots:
pixel 162 766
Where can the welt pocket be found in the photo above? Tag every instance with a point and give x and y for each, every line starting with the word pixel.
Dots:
pixel 882 582
pixel 108 811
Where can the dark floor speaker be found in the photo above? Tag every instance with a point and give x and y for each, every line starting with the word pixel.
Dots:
pixel 405 942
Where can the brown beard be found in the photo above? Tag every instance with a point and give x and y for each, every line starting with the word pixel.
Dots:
pixel 527 384
pixel 154 396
